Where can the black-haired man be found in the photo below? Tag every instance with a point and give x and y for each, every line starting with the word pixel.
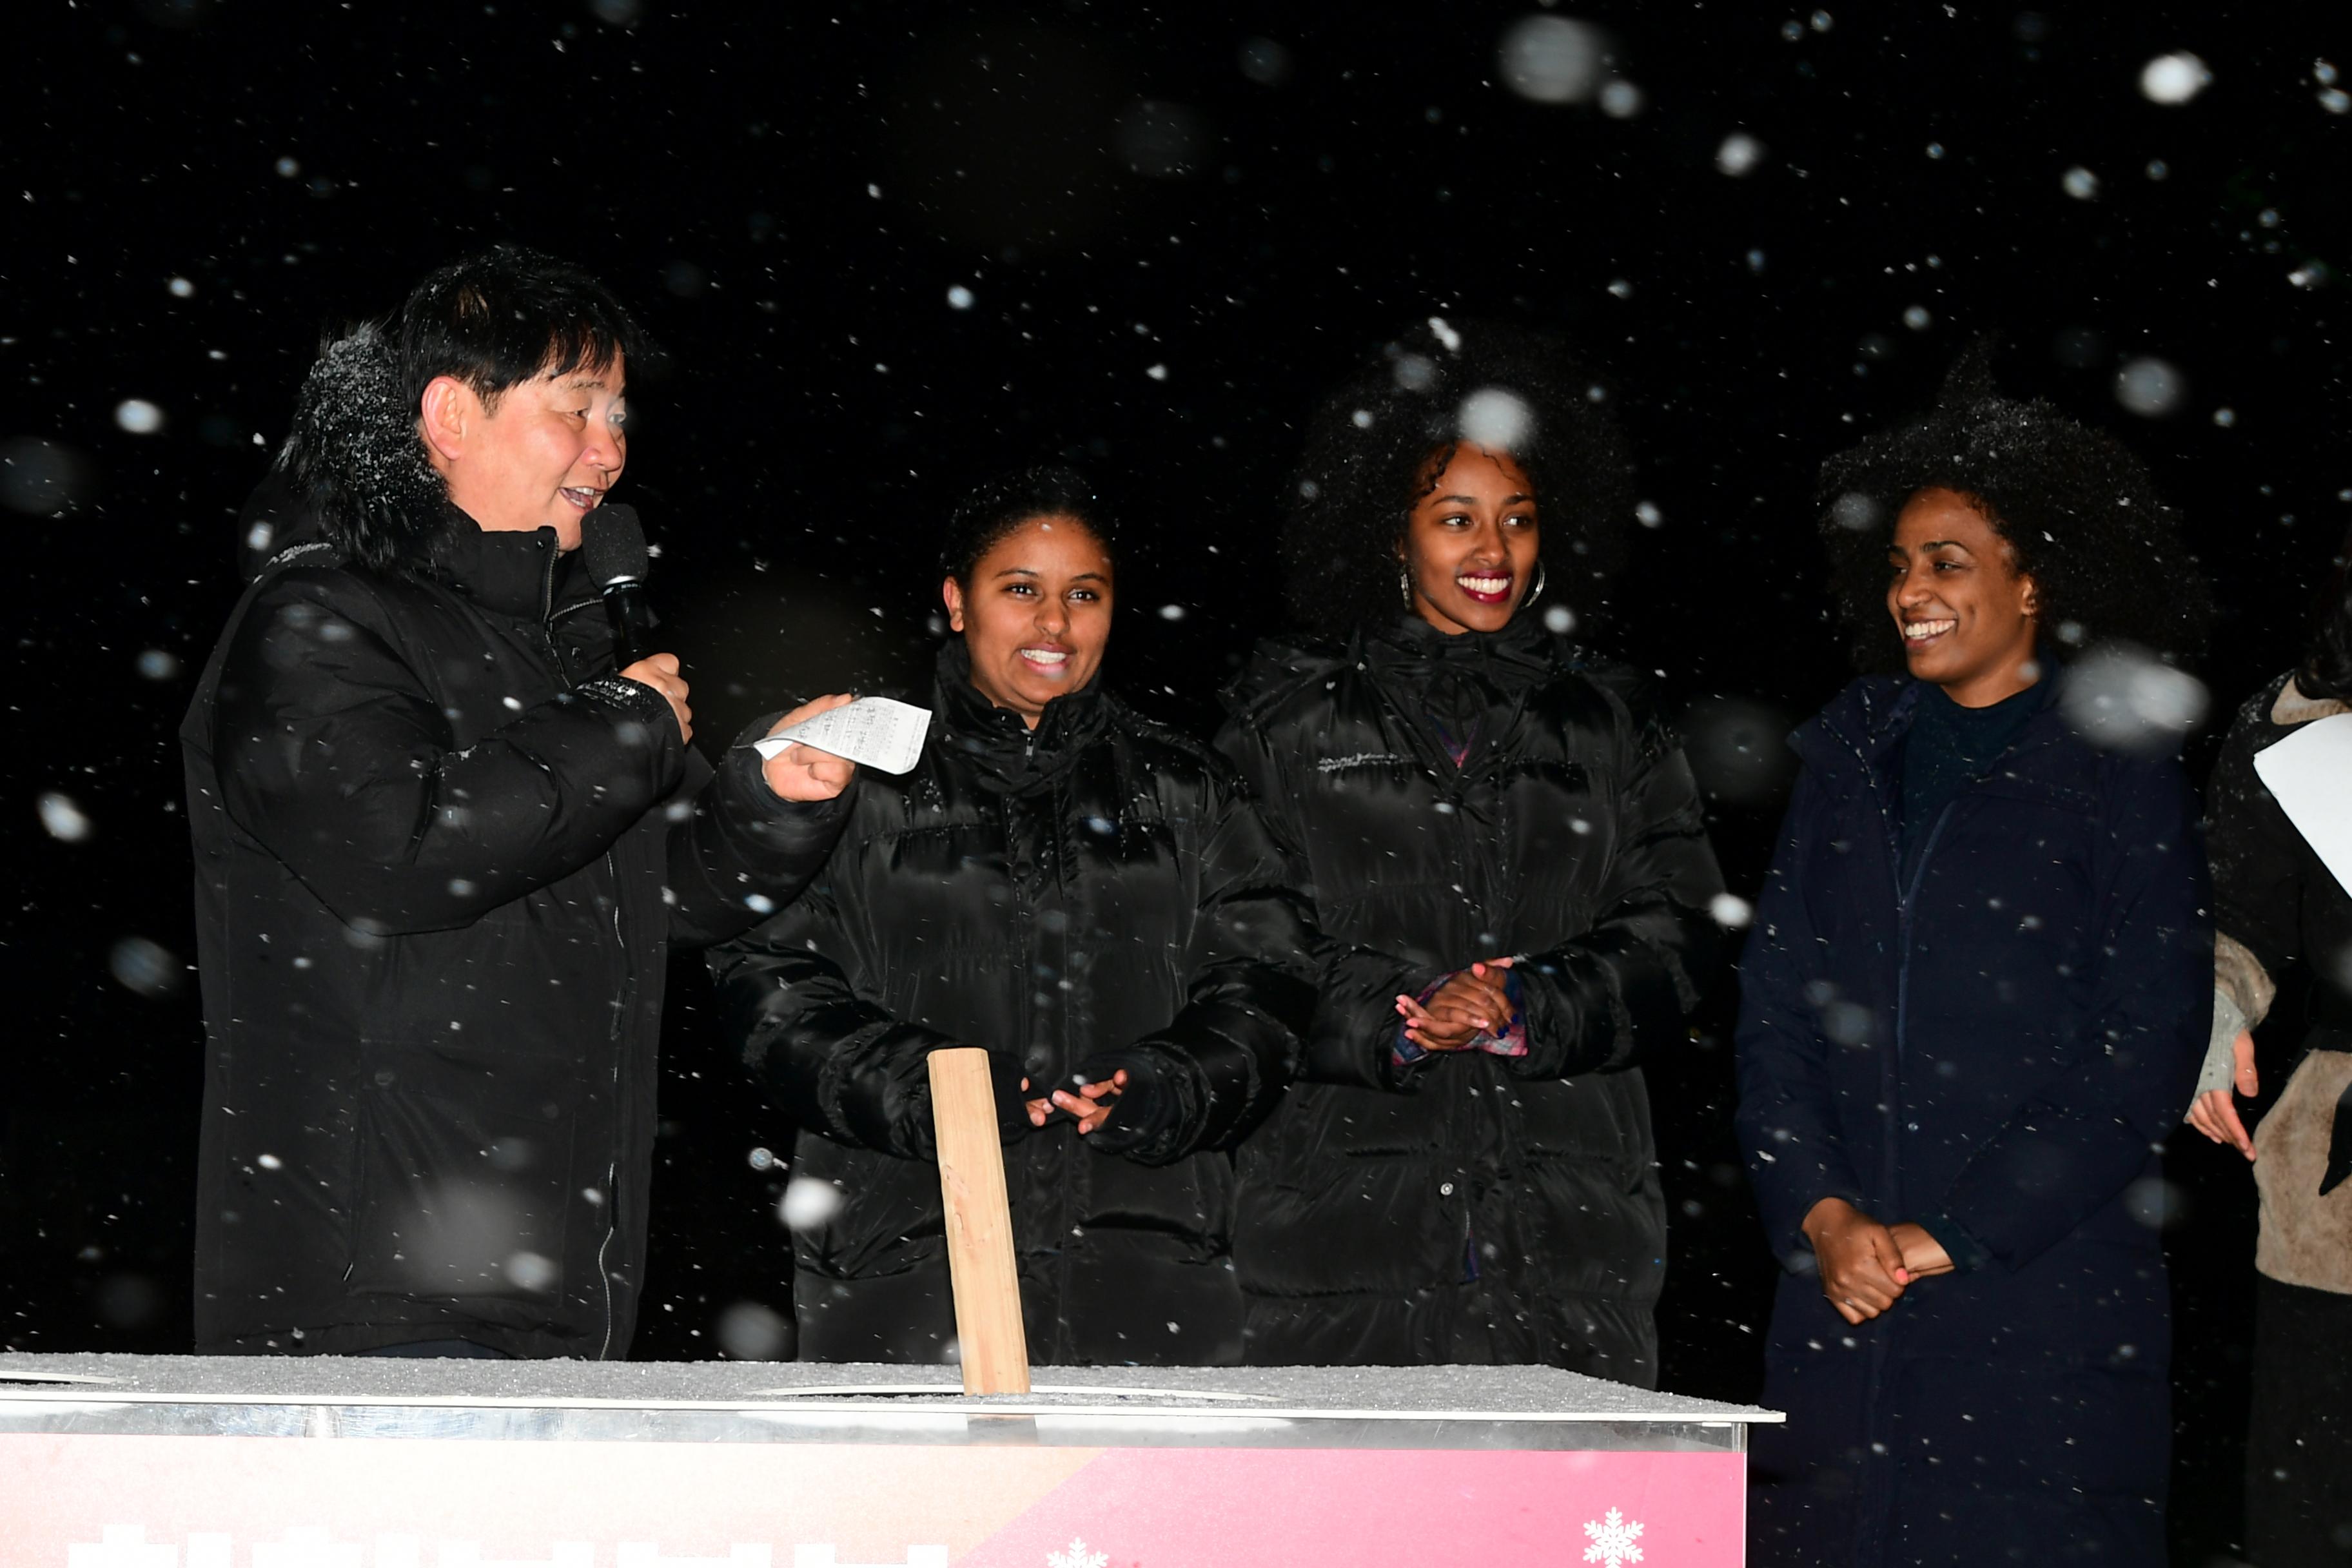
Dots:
pixel 443 848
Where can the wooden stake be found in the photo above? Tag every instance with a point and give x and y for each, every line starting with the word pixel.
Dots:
pixel 979 1224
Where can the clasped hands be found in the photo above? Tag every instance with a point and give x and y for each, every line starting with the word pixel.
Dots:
pixel 1865 1266
pixel 796 773
pixel 1471 1002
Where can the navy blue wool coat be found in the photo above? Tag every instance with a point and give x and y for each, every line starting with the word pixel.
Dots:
pixel 1994 1047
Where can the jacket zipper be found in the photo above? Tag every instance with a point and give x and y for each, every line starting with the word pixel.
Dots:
pixel 1462 1128
pixel 1904 903
pixel 1468 1109
pixel 1024 1037
pixel 1078 1183
pixel 612 1205
pixel 1874 1523
pixel 1870 1529
pixel 612 1170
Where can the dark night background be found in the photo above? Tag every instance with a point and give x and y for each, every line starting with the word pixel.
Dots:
pixel 1175 226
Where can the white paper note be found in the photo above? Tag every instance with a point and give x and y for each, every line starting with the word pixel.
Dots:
pixel 2310 771
pixel 872 732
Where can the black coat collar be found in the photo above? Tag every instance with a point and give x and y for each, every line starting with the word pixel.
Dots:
pixel 1456 699
pixel 525 576
pixel 1411 650
pixel 995 738
pixel 1862 732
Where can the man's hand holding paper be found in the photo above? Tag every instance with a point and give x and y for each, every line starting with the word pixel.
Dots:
pixel 800 771
pixel 828 735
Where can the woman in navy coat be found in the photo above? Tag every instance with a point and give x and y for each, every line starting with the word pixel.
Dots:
pixel 1976 993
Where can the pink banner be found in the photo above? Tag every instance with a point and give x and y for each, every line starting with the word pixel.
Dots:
pixel 95 1501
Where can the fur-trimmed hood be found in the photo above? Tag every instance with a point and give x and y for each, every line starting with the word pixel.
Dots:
pixel 353 472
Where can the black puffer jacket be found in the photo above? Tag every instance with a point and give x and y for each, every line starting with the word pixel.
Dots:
pixel 1097 884
pixel 441 854
pixel 1473 1207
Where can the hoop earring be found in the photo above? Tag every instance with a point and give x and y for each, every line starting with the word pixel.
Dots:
pixel 1537 592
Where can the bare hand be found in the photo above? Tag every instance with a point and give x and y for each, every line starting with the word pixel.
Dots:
pixel 1477 993
pixel 1094 1102
pixel 659 671
pixel 804 772
pixel 1862 1272
pixel 1922 1256
pixel 1471 1002
pixel 2215 1114
pixel 1431 1033
pixel 1039 1110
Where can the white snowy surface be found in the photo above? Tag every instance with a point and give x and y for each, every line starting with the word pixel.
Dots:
pixel 1489 1393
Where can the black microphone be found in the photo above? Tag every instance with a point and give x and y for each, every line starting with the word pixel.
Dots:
pixel 614 543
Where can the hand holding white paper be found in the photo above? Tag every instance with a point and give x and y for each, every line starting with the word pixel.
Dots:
pixel 872 732
pixel 2310 773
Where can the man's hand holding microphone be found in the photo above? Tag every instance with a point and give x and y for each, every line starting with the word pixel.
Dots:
pixel 613 543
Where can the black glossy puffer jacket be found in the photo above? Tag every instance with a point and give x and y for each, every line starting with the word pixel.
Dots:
pixel 1097 884
pixel 441 854
pixel 1471 1207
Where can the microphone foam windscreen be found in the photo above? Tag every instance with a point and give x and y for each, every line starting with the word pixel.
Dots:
pixel 614 542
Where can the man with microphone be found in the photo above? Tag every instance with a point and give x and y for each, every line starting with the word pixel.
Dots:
pixel 442 845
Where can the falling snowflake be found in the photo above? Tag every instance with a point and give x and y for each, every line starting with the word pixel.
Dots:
pixel 1612 1540
pixel 1078 1556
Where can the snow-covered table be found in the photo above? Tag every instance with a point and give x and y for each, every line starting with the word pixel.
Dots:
pixel 118 1462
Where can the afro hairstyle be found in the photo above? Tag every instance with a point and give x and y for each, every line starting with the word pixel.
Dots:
pixel 2078 509
pixel 1368 447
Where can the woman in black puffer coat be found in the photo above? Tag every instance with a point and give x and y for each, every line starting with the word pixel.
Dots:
pixel 1088 896
pixel 1505 848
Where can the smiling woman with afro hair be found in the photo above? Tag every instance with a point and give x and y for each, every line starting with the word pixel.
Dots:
pixel 1972 1008
pixel 1375 445
pixel 2078 509
pixel 1505 851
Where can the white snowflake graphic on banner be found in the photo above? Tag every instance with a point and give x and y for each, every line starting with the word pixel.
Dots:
pixel 1612 1540
pixel 1076 1557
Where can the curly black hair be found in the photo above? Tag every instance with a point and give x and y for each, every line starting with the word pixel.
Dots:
pixel 2079 511
pixel 1368 447
pixel 2326 668
pixel 997 505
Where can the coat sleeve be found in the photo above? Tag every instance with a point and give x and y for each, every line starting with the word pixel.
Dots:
pixel 1788 1120
pixel 1231 1051
pixel 332 753
pixel 1351 1036
pixel 742 850
pixel 2072 1148
pixel 791 994
pixel 2257 868
pixel 1626 985
pixel 2258 891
